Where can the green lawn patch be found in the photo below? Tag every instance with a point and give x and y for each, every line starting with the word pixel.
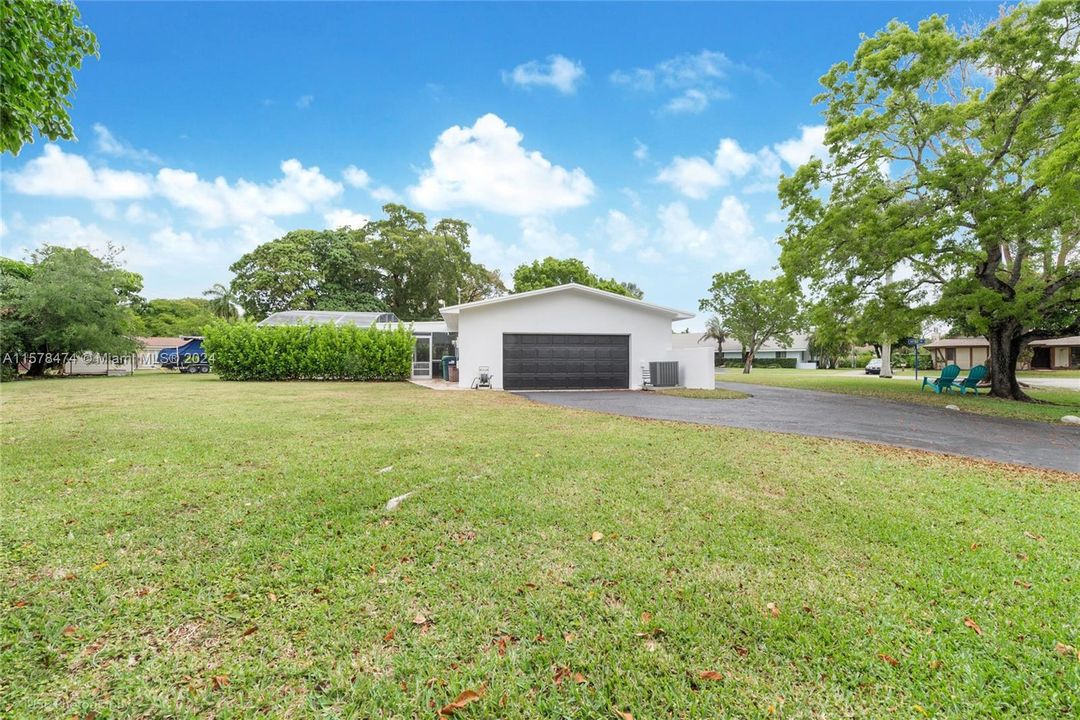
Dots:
pixel 1055 401
pixel 702 394
pixel 178 546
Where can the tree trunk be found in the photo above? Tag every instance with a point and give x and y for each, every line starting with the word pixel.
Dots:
pixel 748 362
pixel 1004 352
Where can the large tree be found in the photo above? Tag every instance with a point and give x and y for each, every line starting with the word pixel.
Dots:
pixel 222 302
pixel 166 317
pixel 72 302
pixel 397 263
pixel 42 43
pixel 550 272
pixel 955 164
pixel 753 311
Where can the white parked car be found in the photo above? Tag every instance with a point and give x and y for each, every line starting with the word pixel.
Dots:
pixel 873 367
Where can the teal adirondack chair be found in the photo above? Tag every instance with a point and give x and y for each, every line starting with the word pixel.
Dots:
pixel 943 383
pixel 971 382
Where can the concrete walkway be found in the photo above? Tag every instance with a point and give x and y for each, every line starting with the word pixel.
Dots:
pixel 846 417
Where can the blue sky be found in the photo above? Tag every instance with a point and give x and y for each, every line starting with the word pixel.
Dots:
pixel 645 139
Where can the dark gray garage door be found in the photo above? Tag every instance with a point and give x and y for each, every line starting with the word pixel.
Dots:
pixel 565 362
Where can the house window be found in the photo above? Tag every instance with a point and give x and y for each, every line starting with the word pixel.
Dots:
pixel 1074 357
pixel 781 354
pixel 950 355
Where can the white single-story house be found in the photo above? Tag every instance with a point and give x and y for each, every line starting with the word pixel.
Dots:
pixel 570 337
pixel 967 352
pixel 798 349
pixel 1061 353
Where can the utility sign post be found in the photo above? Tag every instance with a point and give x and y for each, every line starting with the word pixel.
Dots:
pixel 915 343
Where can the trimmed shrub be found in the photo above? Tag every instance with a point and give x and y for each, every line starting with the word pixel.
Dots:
pixel 788 363
pixel 244 351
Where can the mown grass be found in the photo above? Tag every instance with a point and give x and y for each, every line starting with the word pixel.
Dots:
pixel 178 546
pixel 701 394
pixel 1054 402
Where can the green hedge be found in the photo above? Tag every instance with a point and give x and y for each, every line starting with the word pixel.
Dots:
pixel 764 363
pixel 244 351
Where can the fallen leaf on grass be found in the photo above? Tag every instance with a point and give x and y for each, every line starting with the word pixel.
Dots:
pixel 251 630
pixel 1066 650
pixel 419 619
pixel 561 673
pixel 569 637
pixel 580 679
pixel 596 536
pixel 935 664
pixel 889 659
pixel 622 715
pixel 386 469
pixel 973 625
pixel 19 604
pixel 646 616
pixel 466 697
pixel 742 651
pixel 220 681
pixel 70 630
pixel 271 597
pixel 1021 583
pixel 1033 536
pixel 390 635
pixel 711 675
pixel 100 566
pixel 773 609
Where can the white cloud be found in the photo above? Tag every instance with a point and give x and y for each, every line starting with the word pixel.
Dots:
pixel 485 166
pixel 172 243
pixel 775 216
pixel 345 218
pixel 136 213
pixel 219 203
pixel 810 143
pixel 356 177
pixel 304 101
pixel 60 174
pixel 539 239
pixel 691 101
pixel 694 77
pixel 641 151
pixel 621 231
pixel 731 235
pixel 384 193
pixel 109 144
pixel 557 72
pixel 3 228
pixel 696 176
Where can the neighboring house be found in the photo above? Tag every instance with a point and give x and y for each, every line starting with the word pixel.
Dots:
pixel 798 348
pixel 1053 354
pixel 146 357
pixel 564 337
pixel 967 352
pixel 1056 353
pixel 570 337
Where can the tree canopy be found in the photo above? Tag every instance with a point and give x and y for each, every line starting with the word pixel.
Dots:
pixel 69 302
pixel 753 311
pixel 955 168
pixel 42 43
pixel 550 272
pixel 164 317
pixel 397 263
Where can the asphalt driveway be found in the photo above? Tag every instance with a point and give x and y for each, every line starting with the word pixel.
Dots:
pixel 822 414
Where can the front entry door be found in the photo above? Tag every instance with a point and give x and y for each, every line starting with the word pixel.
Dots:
pixel 421 367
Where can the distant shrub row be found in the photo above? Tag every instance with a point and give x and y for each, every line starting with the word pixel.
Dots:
pixel 763 363
pixel 243 351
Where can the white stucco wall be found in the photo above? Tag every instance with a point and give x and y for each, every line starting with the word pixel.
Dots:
pixel 481 329
pixel 696 366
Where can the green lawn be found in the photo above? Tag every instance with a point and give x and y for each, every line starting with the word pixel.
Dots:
pixel 177 546
pixel 1055 401
pixel 700 394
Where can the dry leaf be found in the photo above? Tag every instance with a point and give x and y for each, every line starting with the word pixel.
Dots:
pixel 889 659
pixel 742 651
pixel 220 681
pixel 597 536
pixel 271 597
pixel 1066 650
pixel 622 715
pixel 773 609
pixel 579 678
pixel 711 675
pixel 973 625
pixel 1033 536
pixel 561 673
pixel 1021 583
pixel 646 616
pixel 390 635
pixel 466 697
pixel 935 664
pixel 100 566
pixel 70 630
pixel 251 630
pixel 975 546
pixel 419 619
pixel 541 638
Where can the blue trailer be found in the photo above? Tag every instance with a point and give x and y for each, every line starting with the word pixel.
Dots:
pixel 187 358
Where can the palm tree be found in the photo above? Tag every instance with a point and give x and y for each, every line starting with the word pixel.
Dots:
pixel 714 330
pixel 223 302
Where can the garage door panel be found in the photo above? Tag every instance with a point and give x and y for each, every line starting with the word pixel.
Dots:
pixel 558 362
